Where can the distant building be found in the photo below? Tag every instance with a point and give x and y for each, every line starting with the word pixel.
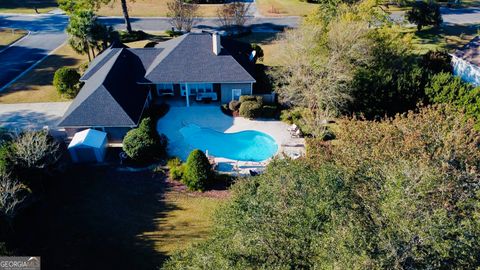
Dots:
pixel 466 62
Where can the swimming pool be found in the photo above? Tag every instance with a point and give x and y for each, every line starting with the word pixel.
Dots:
pixel 246 145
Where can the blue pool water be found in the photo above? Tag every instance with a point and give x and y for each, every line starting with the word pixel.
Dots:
pixel 247 145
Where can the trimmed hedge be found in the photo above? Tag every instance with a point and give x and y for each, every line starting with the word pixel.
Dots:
pixel 197 171
pixel 144 144
pixel 176 168
pixel 269 111
pixel 66 80
pixel 250 109
pixel 258 99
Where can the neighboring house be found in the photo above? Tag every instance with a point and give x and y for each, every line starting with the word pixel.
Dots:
pixel 466 62
pixel 121 82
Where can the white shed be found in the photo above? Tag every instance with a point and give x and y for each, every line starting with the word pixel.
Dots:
pixel 89 145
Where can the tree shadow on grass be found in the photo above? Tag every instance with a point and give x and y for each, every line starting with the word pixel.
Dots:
pixel 94 218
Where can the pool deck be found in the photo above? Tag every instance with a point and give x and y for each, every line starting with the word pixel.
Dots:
pixel 212 117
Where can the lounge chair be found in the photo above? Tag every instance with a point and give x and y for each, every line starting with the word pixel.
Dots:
pixel 297 134
pixel 293 127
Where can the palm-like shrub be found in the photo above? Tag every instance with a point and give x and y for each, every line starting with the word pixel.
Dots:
pixel 198 171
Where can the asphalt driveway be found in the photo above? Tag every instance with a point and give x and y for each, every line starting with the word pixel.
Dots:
pixel 31 115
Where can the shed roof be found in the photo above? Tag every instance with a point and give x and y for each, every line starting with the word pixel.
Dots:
pixel 89 138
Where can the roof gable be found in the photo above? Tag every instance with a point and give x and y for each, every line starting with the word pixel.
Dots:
pixel 191 59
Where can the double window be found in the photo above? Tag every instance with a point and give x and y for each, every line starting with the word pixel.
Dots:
pixel 196 88
pixel 165 89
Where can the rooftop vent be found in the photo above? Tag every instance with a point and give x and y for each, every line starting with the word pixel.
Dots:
pixel 216 43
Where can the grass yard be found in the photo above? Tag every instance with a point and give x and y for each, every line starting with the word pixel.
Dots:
pixel 119 220
pixel 36 85
pixel 9 36
pixel 151 8
pixel 27 6
pixel 446 38
pixel 284 7
pixel 269 44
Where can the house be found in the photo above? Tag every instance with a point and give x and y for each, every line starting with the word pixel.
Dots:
pixel 466 62
pixel 121 83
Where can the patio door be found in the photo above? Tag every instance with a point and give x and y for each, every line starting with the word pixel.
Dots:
pixel 236 93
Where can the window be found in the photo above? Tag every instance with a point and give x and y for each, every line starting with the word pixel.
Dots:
pixel 164 89
pixel 236 93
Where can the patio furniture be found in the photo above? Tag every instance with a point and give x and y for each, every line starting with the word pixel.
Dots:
pixel 293 127
pixel 207 95
pixel 296 134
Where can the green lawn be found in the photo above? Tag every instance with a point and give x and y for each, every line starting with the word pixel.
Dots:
pixel 285 7
pixel 27 6
pixel 119 220
pixel 269 44
pixel 447 38
pixel 9 36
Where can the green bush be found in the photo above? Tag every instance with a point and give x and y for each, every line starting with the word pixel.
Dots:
pixel 176 168
pixel 269 111
pixel 143 143
pixel 258 99
pixel 197 171
pixel 133 36
pixel 250 109
pixel 234 105
pixel 150 44
pixel 173 33
pixel 66 81
pixel 259 52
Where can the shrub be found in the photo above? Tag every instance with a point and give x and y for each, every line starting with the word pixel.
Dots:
pixel 234 105
pixel 173 33
pixel 258 52
pixel 425 13
pixel 150 44
pixel 270 111
pixel 437 61
pixel 250 109
pixel 176 168
pixel 143 143
pixel 258 99
pixel 66 81
pixel 197 171
pixel 133 36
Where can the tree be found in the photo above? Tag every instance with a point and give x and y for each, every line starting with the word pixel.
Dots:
pixel 81 37
pixel 66 81
pixel 12 194
pixel 425 13
pixel 144 144
pixel 73 6
pixel 197 171
pixel 233 14
pixel 182 14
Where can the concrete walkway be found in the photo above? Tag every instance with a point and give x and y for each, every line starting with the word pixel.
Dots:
pixel 31 115
pixel 212 117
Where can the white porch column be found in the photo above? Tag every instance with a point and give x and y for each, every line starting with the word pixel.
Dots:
pixel 187 94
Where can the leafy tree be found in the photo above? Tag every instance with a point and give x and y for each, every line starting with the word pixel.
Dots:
pixel 425 13
pixel 66 81
pixel 197 171
pixel 144 143
pixel 182 14
pixel 73 6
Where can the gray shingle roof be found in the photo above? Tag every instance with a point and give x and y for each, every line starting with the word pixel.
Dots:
pixel 470 52
pixel 110 97
pixel 190 58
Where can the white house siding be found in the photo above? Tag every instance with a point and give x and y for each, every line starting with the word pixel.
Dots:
pixel 468 72
pixel 226 89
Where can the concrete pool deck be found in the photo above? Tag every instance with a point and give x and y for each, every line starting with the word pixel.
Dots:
pixel 212 117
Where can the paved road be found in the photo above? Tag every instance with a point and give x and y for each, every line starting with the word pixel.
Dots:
pixel 160 24
pixel 46 34
pixel 31 115
pixel 450 16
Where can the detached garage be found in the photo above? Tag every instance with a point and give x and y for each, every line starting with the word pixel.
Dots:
pixel 88 146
